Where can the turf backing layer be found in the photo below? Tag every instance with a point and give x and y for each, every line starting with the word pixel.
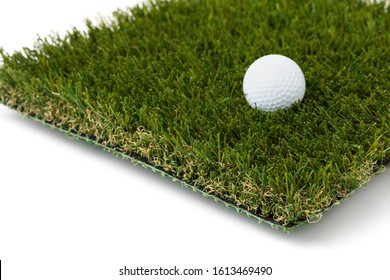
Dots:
pixel 162 84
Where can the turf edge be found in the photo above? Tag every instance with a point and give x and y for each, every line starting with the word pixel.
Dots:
pixel 137 159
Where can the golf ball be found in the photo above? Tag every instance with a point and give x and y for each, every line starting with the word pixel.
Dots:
pixel 273 82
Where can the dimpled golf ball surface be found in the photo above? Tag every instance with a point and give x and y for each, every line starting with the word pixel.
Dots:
pixel 273 82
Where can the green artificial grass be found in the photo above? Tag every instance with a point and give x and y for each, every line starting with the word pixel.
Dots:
pixel 162 84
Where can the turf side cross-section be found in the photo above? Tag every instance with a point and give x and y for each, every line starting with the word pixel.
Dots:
pixel 162 84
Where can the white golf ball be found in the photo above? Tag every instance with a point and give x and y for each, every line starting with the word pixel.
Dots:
pixel 273 82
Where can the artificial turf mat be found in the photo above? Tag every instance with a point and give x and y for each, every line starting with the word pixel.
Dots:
pixel 162 84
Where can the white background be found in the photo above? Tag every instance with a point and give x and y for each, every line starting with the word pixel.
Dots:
pixel 71 211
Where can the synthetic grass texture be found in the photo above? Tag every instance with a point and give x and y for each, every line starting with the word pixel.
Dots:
pixel 162 83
